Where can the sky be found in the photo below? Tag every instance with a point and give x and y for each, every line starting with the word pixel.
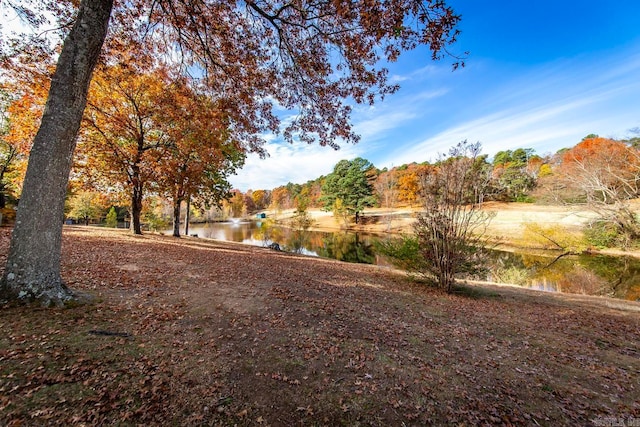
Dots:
pixel 539 74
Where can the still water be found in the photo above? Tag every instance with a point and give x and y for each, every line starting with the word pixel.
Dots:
pixel 617 277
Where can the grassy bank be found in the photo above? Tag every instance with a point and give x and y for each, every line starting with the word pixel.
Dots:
pixel 508 223
pixel 194 332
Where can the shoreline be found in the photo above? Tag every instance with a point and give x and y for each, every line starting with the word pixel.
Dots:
pixel 506 229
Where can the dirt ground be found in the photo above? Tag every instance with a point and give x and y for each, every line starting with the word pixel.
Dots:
pixel 195 332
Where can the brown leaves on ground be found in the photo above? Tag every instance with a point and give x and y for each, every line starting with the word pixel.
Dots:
pixel 194 332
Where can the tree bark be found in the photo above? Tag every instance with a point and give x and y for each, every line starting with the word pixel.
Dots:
pixel 32 271
pixel 177 202
pixel 3 200
pixel 187 216
pixel 136 206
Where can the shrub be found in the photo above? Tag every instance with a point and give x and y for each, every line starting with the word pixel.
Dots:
pixel 603 234
pixel 450 230
pixel 403 252
pixel 553 237
pixel 512 275
pixel 112 218
pixel 155 221
pixel 302 220
pixel 449 234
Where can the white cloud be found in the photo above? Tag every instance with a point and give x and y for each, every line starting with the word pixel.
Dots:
pixel 396 78
pixel 419 74
pixel 548 109
pixel 297 163
pixel 373 127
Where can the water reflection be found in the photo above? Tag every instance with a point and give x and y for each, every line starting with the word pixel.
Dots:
pixel 617 277
pixel 349 247
pixel 299 241
pixel 585 274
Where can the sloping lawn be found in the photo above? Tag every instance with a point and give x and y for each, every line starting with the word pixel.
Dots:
pixel 195 332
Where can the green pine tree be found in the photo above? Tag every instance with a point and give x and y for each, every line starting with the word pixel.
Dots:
pixel 112 218
pixel 349 182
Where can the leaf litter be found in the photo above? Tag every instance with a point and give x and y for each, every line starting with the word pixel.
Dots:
pixel 195 332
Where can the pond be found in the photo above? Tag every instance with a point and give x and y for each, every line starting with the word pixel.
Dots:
pixel 617 276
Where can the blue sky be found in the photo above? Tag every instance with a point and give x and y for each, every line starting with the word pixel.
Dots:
pixel 540 74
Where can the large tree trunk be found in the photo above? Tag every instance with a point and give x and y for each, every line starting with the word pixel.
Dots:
pixel 136 206
pixel 187 216
pixel 177 202
pixel 32 271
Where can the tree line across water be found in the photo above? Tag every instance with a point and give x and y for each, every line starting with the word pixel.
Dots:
pixel 601 173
